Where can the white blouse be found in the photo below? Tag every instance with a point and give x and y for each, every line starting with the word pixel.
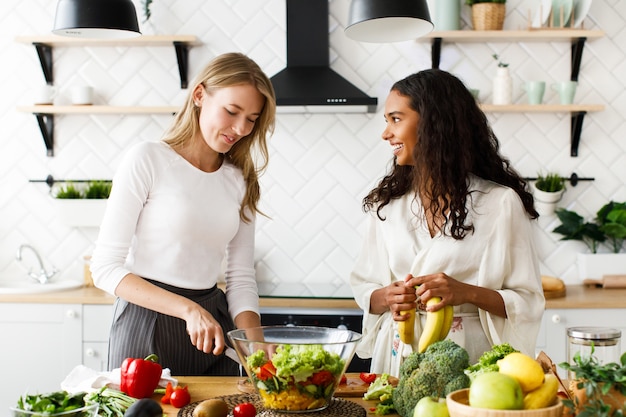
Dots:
pixel 170 222
pixel 499 255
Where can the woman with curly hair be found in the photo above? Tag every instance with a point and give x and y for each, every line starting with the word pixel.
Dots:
pixel 452 219
pixel 181 209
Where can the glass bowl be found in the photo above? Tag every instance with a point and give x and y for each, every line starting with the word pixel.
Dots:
pixel 295 369
pixel 90 410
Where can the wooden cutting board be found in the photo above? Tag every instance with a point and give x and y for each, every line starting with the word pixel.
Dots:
pixel 607 281
pixel 554 294
pixel 355 387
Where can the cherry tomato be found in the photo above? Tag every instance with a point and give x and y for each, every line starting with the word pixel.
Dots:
pixel 180 397
pixel 168 393
pixel 244 410
pixel 344 379
pixel 367 377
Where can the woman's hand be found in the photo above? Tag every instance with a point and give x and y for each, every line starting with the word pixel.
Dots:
pixel 205 332
pixel 395 297
pixel 438 285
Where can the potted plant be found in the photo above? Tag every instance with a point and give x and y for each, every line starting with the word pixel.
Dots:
pixel 598 389
pixel 82 207
pixel 487 14
pixel 548 190
pixel 606 231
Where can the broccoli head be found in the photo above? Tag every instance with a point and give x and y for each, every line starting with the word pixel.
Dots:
pixel 436 373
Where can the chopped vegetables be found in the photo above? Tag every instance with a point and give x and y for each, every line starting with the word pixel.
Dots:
pixel 113 403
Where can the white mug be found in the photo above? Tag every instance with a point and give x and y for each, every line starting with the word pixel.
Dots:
pixel 45 94
pixel 82 95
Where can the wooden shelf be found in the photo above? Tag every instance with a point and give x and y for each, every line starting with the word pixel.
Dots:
pixel 50 109
pixel 144 40
pixel 541 108
pixel 43 45
pixel 532 35
pixel 577 38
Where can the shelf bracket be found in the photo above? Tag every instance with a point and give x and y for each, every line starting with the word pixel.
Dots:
pixel 577 126
pixel 435 52
pixel 182 56
pixel 44 52
pixel 46 125
pixel 577 54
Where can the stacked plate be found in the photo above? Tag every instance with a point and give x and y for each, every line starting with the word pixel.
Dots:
pixel 562 12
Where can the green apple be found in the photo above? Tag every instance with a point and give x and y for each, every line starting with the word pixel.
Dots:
pixel 496 391
pixel 431 407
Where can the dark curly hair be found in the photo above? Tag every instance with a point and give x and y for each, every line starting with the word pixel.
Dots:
pixel 454 141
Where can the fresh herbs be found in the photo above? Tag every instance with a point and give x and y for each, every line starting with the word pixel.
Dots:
pixel 51 403
pixel 550 182
pixel 95 189
pixel 597 380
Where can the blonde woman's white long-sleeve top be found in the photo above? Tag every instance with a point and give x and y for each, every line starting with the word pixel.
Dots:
pixel 170 222
pixel 498 255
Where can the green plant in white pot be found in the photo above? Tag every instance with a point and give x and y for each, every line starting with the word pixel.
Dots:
pixel 548 190
pixel 78 207
pixel 604 236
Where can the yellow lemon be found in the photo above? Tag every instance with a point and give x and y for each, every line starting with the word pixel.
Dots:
pixel 522 367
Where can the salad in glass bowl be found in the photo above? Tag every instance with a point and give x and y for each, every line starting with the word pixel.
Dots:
pixel 295 368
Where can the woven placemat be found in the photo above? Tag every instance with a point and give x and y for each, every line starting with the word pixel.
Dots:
pixel 338 407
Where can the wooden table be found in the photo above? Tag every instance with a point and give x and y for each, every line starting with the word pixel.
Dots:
pixel 205 387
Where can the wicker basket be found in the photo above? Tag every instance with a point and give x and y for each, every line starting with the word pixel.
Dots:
pixel 488 16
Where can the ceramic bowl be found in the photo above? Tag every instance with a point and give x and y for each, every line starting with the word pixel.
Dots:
pixel 458 406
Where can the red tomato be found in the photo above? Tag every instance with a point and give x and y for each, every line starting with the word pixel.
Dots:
pixel 266 371
pixel 168 393
pixel 322 378
pixel 180 397
pixel 367 377
pixel 344 379
pixel 244 410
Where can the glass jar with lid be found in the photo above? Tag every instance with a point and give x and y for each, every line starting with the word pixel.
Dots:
pixel 604 341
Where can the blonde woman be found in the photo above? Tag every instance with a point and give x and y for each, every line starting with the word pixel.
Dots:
pixel 178 209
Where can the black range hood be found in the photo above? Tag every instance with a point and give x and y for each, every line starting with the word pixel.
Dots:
pixel 308 84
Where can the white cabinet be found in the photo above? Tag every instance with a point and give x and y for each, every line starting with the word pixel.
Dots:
pixel 42 343
pixel 96 326
pixel 553 334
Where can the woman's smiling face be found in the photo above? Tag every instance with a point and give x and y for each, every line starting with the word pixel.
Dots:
pixel 401 129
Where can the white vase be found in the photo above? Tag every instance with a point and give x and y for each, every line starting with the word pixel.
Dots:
pixel 502 86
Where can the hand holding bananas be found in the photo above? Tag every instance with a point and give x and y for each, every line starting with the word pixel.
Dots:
pixel 437 325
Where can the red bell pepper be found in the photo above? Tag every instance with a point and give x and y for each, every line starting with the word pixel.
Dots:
pixel 140 377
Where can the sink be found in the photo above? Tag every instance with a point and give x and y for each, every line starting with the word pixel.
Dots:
pixel 26 286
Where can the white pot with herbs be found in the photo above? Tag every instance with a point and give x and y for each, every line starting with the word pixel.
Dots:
pixel 82 206
pixel 548 191
pixel 604 237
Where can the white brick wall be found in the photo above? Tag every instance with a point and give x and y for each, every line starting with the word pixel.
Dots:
pixel 321 165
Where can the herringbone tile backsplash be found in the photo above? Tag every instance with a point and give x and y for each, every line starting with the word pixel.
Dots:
pixel 321 164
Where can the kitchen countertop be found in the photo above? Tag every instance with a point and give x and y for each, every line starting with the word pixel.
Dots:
pixel 206 387
pixel 577 296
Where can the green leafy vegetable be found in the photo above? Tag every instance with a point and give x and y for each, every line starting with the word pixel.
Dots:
pixel 113 403
pixel 51 403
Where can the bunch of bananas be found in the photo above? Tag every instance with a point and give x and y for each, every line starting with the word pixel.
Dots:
pixel 437 325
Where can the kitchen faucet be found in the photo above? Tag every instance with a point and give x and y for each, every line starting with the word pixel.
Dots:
pixel 43 276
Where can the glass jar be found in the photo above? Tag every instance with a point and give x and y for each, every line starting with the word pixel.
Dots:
pixel 605 343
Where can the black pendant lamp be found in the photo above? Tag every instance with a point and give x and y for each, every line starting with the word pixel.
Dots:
pixel 388 20
pixel 101 19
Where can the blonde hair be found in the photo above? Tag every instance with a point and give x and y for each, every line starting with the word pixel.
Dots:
pixel 228 70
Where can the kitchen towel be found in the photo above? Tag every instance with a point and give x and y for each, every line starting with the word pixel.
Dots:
pixel 84 379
